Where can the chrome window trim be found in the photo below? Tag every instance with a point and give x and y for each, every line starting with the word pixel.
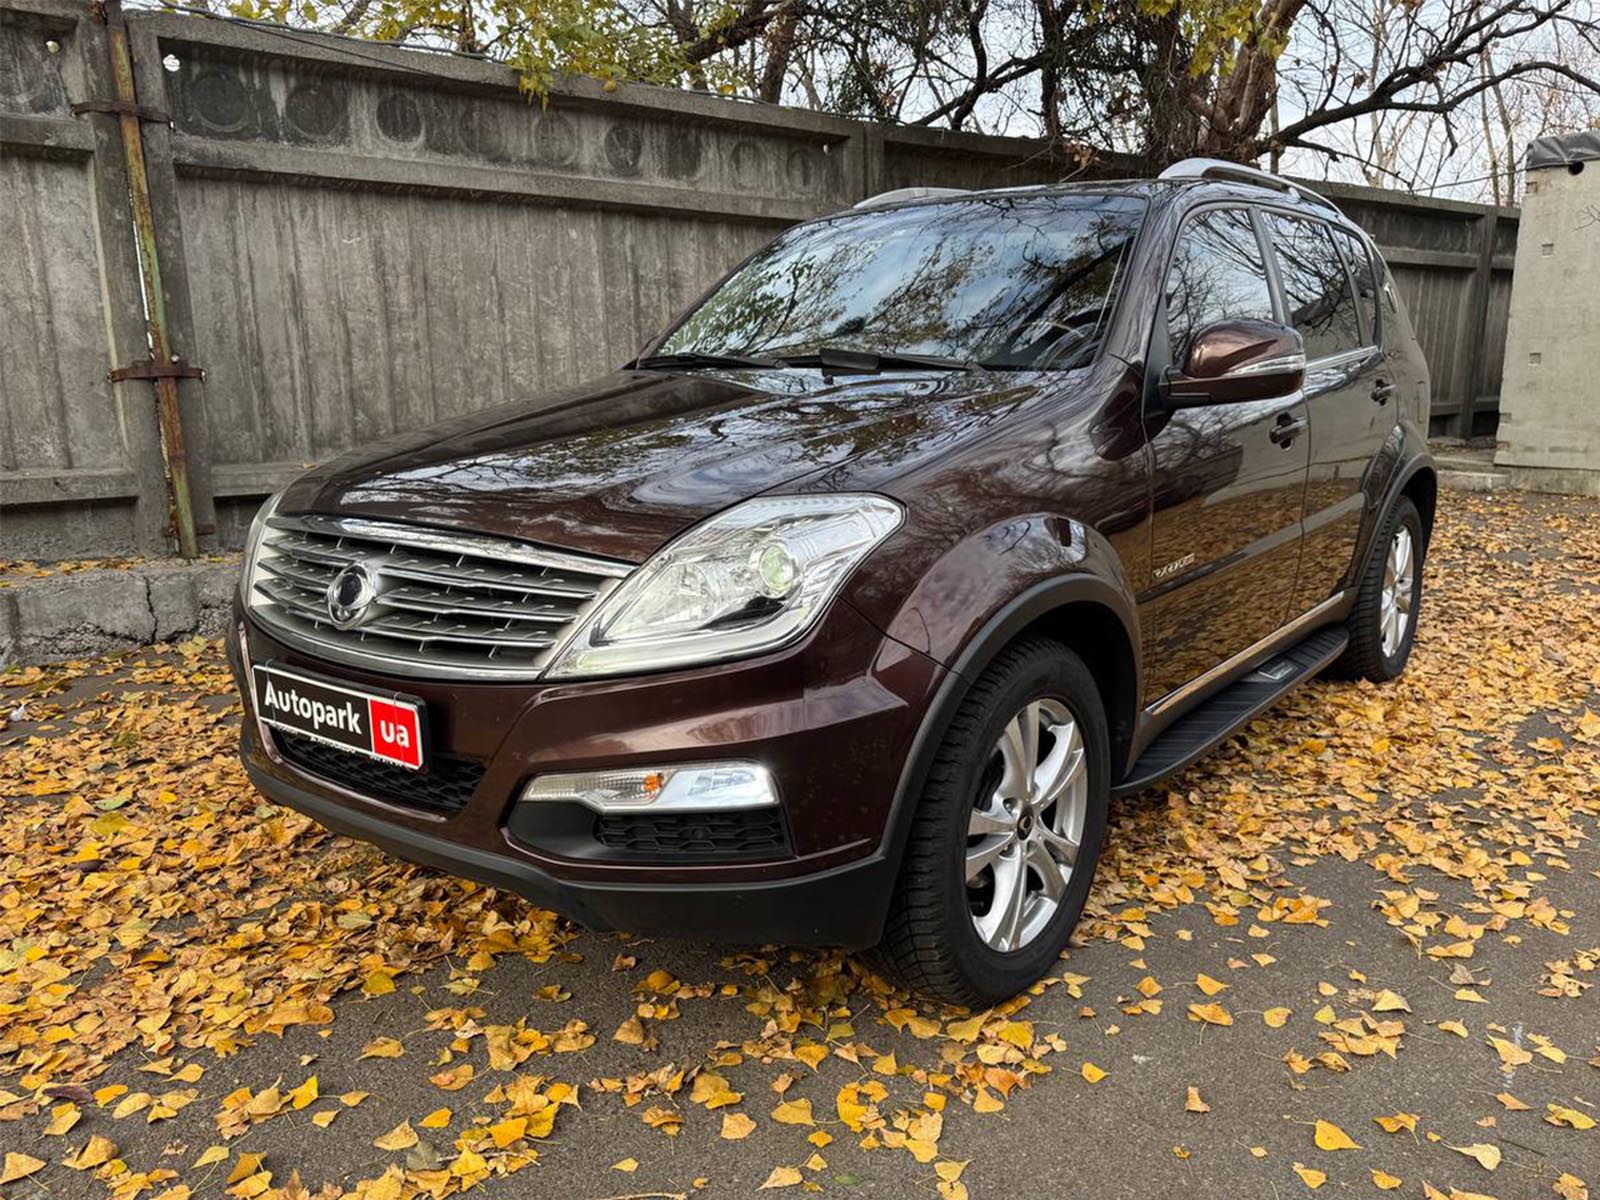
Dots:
pixel 1344 356
pixel 1367 347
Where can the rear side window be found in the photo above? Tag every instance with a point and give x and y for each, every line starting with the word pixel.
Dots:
pixel 1217 274
pixel 1367 290
pixel 1316 286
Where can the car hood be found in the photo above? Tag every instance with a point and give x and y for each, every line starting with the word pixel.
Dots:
pixel 619 466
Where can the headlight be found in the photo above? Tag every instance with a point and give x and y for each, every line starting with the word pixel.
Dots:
pixel 252 545
pixel 745 581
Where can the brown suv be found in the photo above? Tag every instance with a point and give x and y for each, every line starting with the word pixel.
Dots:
pixel 838 615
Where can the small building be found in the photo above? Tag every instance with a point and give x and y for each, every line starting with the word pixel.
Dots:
pixel 1549 436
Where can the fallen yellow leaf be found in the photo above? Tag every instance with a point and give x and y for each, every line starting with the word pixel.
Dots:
pixel 304 1094
pixel 383 1047
pixel 1211 1014
pixel 18 1166
pixel 1330 1137
pixel 99 1150
pixel 1397 1122
pixel 245 1166
pixel 1485 1154
pixel 1571 1117
pixel 793 1112
pixel 401 1137
pixel 1310 1176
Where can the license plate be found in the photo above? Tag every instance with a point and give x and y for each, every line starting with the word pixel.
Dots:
pixel 382 725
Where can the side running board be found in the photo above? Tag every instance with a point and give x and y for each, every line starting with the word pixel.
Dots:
pixel 1198 730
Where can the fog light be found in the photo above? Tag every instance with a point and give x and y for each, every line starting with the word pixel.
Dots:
pixel 703 788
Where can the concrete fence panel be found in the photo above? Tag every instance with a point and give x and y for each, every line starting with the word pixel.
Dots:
pixel 80 462
pixel 358 239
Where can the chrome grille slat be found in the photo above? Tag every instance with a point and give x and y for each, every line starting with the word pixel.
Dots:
pixel 456 603
pixel 294 571
pixel 447 605
pixel 422 628
pixel 395 559
pixel 290 595
pixel 452 576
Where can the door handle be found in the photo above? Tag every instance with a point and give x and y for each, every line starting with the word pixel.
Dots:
pixel 1287 429
pixel 1382 390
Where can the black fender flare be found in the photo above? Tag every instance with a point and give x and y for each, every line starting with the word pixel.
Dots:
pixel 1003 626
pixel 1419 461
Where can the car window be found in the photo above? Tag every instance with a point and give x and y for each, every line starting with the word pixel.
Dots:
pixel 1009 281
pixel 1316 286
pixel 1367 290
pixel 1217 274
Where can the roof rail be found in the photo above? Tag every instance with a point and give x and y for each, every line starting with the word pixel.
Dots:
pixel 1217 168
pixel 901 195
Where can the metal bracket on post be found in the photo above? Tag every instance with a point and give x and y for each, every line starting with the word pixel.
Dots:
pixel 122 108
pixel 148 369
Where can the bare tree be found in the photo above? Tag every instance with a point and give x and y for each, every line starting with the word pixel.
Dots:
pixel 1386 91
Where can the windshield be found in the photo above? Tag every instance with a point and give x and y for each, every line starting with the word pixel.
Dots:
pixel 1005 281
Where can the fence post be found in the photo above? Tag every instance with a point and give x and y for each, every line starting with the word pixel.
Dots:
pixel 150 74
pixel 163 368
pixel 124 316
pixel 1477 351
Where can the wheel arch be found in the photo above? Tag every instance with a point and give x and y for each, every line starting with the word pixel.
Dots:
pixel 1089 615
pixel 1422 488
pixel 1416 480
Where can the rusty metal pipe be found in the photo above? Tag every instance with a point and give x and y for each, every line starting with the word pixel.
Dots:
pixel 173 450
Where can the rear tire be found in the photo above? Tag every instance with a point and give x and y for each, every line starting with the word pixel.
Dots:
pixel 1383 626
pixel 1000 857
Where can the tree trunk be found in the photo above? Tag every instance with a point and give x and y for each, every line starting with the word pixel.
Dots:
pixel 780 50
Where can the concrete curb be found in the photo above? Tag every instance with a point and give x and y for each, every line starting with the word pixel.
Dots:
pixel 81 613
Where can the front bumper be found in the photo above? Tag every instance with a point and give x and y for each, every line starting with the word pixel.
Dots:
pixel 835 738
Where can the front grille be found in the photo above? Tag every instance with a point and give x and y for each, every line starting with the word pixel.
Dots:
pixel 444 789
pixel 748 833
pixel 445 604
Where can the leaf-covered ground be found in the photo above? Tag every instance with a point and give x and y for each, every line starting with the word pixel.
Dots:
pixel 1352 953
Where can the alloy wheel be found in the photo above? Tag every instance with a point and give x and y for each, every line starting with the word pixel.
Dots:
pixel 1026 826
pixel 1399 591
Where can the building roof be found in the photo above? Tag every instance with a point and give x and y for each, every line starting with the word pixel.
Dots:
pixel 1564 149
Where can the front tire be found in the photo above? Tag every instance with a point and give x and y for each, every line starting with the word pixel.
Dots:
pixel 1004 843
pixel 1383 626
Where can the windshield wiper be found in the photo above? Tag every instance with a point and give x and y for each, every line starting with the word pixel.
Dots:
pixel 693 358
pixel 839 358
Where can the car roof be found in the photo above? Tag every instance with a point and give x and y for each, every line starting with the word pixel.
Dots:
pixel 1164 191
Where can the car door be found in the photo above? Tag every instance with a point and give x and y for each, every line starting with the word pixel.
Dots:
pixel 1228 480
pixel 1330 296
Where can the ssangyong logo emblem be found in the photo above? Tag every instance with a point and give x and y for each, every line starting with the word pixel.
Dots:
pixel 351 595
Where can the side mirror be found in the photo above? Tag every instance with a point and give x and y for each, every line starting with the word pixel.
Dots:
pixel 1231 361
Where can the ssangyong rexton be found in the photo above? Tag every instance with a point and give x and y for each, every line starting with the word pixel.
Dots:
pixel 839 614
